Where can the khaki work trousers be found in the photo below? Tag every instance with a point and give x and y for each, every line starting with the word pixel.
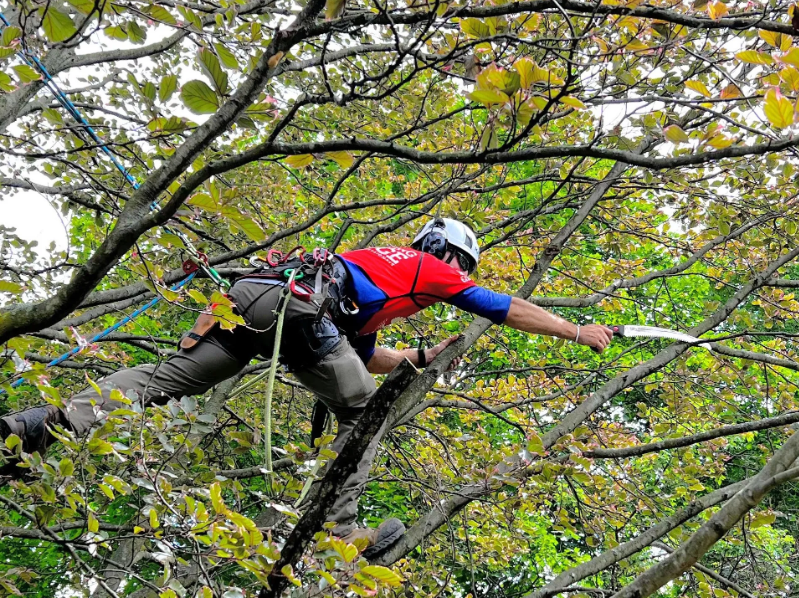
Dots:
pixel 340 380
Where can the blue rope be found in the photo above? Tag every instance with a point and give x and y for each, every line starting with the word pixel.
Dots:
pixel 107 331
pixel 62 99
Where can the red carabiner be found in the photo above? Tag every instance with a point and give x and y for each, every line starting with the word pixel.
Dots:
pixel 301 295
pixel 299 254
pixel 274 262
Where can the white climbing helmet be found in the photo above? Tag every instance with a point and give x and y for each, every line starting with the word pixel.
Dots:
pixel 441 234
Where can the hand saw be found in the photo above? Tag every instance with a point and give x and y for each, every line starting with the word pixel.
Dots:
pixel 655 332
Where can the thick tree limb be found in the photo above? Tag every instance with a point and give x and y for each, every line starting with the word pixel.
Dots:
pixel 688 553
pixel 343 466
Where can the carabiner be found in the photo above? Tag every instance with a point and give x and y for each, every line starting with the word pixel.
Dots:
pixel 320 256
pixel 301 295
pixel 274 262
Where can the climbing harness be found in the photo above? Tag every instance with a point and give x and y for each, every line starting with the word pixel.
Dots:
pixel 327 273
pixel 656 332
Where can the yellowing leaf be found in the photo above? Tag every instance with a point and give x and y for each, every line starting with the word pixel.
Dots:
pixel 730 91
pixel 698 87
pixel 7 286
pixel 349 553
pixel 778 109
pixel 216 498
pixel 635 45
pixel 199 98
pixel 93 524
pixel 675 134
pixel 343 159
pixel 154 519
pixel 791 57
pixel 488 97
pixel 300 160
pixel 573 102
pixel 754 57
pixel 716 10
pixel 790 76
pixel 384 574
pixel 334 9
pixel 761 520
pixel 720 142
pixel 775 40
pixel 530 73
pixel 198 296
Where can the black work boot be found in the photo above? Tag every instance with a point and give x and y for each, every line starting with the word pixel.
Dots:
pixel 31 427
pixel 378 539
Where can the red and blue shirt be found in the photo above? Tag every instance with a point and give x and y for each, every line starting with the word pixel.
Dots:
pixel 387 283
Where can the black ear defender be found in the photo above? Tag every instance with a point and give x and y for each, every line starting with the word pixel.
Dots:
pixel 435 242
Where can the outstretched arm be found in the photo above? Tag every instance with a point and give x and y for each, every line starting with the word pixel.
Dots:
pixel 385 360
pixel 530 318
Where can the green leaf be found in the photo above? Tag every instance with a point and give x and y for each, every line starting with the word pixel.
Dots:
pixel 85 7
pixel 475 28
pixel 136 33
pixel 116 32
pixel 173 124
pixel 167 87
pixel 204 201
pixel 148 91
pixel 191 17
pixel 53 116
pixel 66 467
pixel 199 98
pixel 210 65
pixel 26 73
pixel 226 56
pixel 10 287
pixel 57 26
pixel 9 35
pixel 6 83
pixel 334 8
pixel 161 14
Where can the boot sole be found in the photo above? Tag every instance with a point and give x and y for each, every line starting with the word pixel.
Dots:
pixel 388 536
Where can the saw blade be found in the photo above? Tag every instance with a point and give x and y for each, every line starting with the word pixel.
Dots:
pixel 655 332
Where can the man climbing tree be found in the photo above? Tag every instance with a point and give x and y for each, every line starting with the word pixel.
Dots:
pixel 631 163
pixel 329 343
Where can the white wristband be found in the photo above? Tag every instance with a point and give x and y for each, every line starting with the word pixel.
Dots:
pixel 577 338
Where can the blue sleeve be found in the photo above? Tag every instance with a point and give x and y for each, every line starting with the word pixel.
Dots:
pixel 365 346
pixel 482 302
